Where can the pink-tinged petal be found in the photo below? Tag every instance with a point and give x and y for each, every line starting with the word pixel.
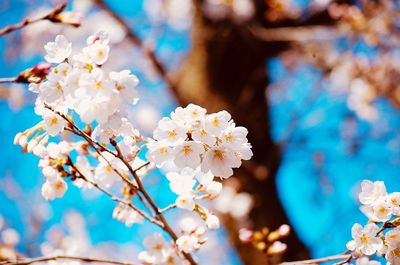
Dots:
pixel 351 245
pixel 356 230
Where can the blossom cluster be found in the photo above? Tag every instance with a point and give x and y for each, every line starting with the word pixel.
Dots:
pixel 203 148
pixel 158 250
pixel 380 207
pixel 77 84
pixel 200 141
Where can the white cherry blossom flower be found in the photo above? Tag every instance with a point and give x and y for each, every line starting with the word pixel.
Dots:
pixel 181 184
pixel 394 202
pixel 212 221
pixel 97 109
pixel 97 52
pixel 169 132
pixel 217 122
pixel 95 83
pixel 234 136
pixel 392 238
pixel 187 243
pixel 127 215
pixel 185 202
pixel 201 135
pixel 371 191
pixel 58 50
pixel 365 240
pixel 187 154
pixel 156 246
pixel 106 169
pixel 219 160
pixel 125 84
pixel 159 152
pixel 53 123
pixel 54 188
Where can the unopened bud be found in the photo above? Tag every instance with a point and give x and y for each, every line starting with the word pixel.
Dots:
pixel 70 18
pixel 277 248
pixel 245 235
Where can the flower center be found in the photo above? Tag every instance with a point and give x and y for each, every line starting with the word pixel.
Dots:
pixel 158 247
pixel 109 169
pixel 53 121
pixel 218 154
pixel 172 134
pixel 98 84
pixel 58 87
pixel 364 239
pixel 163 150
pixel 216 122
pixel 187 149
pixel 229 137
pixel 58 185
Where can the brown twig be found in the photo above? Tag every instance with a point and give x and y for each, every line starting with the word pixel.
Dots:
pixel 320 260
pixel 27 21
pixel 8 79
pixel 164 224
pixel 26 261
pixel 112 196
pixel 147 49
pixel 157 210
pixel 96 146
pixel 169 207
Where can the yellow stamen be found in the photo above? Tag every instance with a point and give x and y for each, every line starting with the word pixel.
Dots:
pixel 203 132
pixel 187 150
pixel 219 154
pixel 229 137
pixel 109 169
pixel 58 87
pixel 216 122
pixel 172 134
pixel 58 185
pixel 162 150
pixel 365 239
pixel 53 121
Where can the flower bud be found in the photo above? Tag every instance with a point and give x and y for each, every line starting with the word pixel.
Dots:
pixel 212 221
pixel 70 18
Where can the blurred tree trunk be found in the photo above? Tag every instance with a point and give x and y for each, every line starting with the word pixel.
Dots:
pixel 226 69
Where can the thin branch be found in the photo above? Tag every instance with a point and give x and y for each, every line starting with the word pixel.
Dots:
pixel 164 224
pixel 96 146
pixel 346 260
pixel 142 166
pixel 159 214
pixel 112 196
pixel 27 261
pixel 147 49
pixel 8 79
pixel 169 207
pixel 27 21
pixel 320 260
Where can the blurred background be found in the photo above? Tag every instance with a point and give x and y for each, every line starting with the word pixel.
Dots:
pixel 315 82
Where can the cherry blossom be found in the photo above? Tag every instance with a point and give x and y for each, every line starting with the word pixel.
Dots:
pixel 58 50
pixel 364 239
